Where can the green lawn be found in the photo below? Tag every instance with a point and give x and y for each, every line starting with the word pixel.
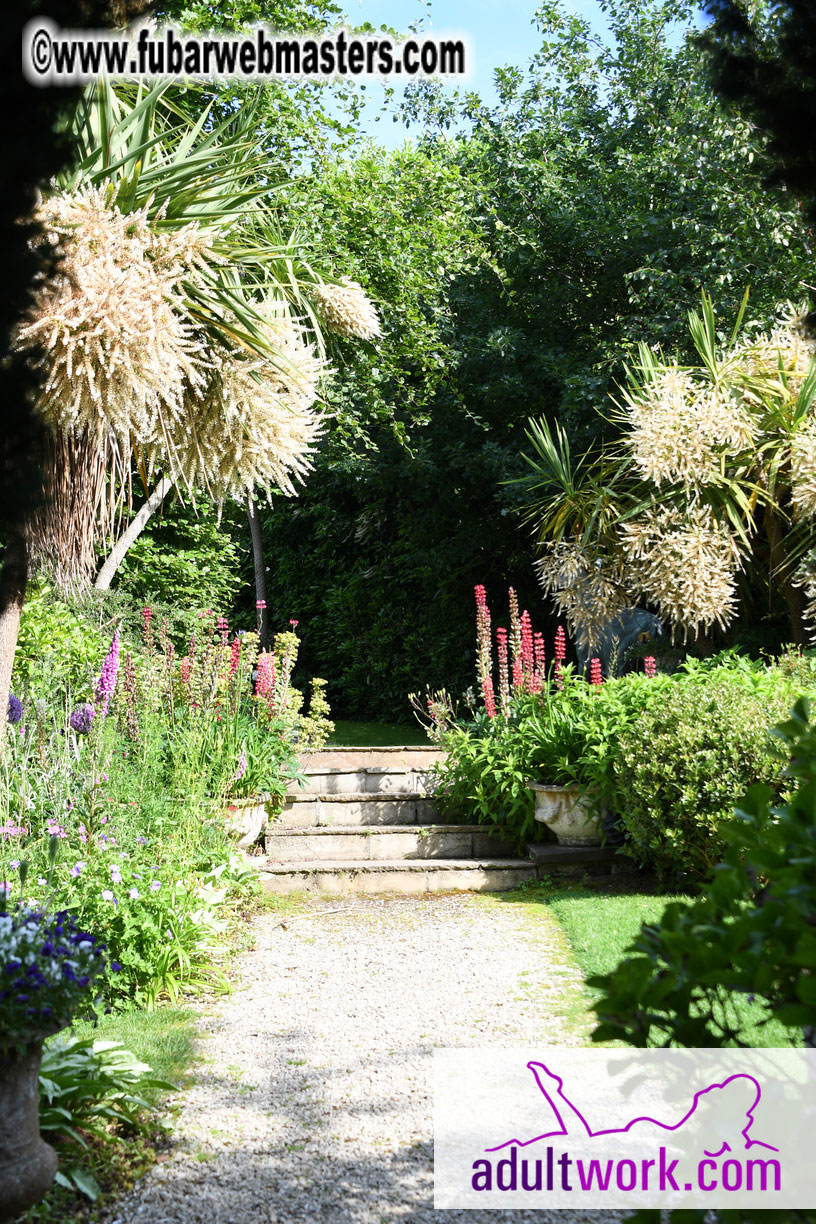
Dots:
pixel 164 1038
pixel 377 735
pixel 601 924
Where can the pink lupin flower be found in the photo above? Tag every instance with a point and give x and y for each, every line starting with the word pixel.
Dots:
pixel 504 686
pixel 147 629
pixel 484 653
pixel 527 652
pixel 489 697
pixel 540 654
pixel 650 665
pixel 595 673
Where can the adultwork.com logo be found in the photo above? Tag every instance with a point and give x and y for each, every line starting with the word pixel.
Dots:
pixel 610 1128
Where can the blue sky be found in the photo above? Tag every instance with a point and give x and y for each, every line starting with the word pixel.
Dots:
pixel 500 32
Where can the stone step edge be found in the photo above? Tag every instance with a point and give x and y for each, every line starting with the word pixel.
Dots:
pixel 374 748
pixel 391 770
pixel 384 866
pixel 357 796
pixel 372 830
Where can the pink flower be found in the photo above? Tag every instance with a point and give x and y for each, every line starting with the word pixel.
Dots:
pixel 489 698
pixel 650 665
pixel 560 645
pixel 595 674
pixel 106 683
pixel 294 624
pixel 260 604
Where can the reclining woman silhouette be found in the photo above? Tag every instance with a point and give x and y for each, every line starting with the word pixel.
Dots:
pixel 720 1115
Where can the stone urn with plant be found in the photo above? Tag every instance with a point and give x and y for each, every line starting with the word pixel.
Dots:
pixel 566 738
pixel 49 972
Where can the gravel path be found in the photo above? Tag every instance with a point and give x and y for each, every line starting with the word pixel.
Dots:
pixel 314 1100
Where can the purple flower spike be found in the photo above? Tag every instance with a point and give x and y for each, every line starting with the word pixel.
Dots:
pixel 106 683
pixel 15 709
pixel 80 720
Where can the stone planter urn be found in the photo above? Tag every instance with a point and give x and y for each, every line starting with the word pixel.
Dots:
pixel 574 816
pixel 27 1163
pixel 246 819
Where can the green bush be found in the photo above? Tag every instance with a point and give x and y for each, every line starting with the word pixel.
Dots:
pixel 749 936
pixel 484 778
pixel 90 1092
pixel 680 763
pixel 187 558
pixel 564 735
pixel 55 642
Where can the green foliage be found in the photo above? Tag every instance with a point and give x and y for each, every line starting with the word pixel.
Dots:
pixel 55 640
pixel 601 926
pixel 670 755
pixel 163 1038
pixel 750 934
pixel 681 763
pixel 607 185
pixel 91 1090
pixel 188 558
pixel 563 735
pixel 484 778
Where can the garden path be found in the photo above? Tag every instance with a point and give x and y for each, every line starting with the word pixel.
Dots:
pixel 313 1103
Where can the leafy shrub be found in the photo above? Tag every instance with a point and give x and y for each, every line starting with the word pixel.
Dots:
pixel 563 735
pixel 90 1090
pixel 680 763
pixel 751 934
pixel 484 778
pixel 185 558
pixel 55 641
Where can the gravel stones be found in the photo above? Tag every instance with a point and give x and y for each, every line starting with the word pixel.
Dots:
pixel 314 1100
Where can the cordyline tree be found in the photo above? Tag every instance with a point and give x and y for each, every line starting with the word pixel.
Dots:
pixel 34 151
pixel 179 337
pixel 712 483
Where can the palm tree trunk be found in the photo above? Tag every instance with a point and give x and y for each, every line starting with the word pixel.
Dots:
pixel 13 580
pixel 260 573
pixel 134 530
pixel 781 570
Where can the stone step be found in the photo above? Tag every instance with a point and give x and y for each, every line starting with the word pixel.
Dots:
pixel 553 859
pixel 359 843
pixel 371 779
pixel 365 758
pixel 356 808
pixel 412 876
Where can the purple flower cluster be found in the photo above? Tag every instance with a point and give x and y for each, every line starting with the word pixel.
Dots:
pixel 49 968
pixel 82 717
pixel 15 709
pixel 106 683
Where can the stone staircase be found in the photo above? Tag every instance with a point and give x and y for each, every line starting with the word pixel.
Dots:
pixel 365 823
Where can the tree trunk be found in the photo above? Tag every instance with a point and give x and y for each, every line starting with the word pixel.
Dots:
pixel 260 573
pixel 781 568
pixel 13 579
pixel 134 530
